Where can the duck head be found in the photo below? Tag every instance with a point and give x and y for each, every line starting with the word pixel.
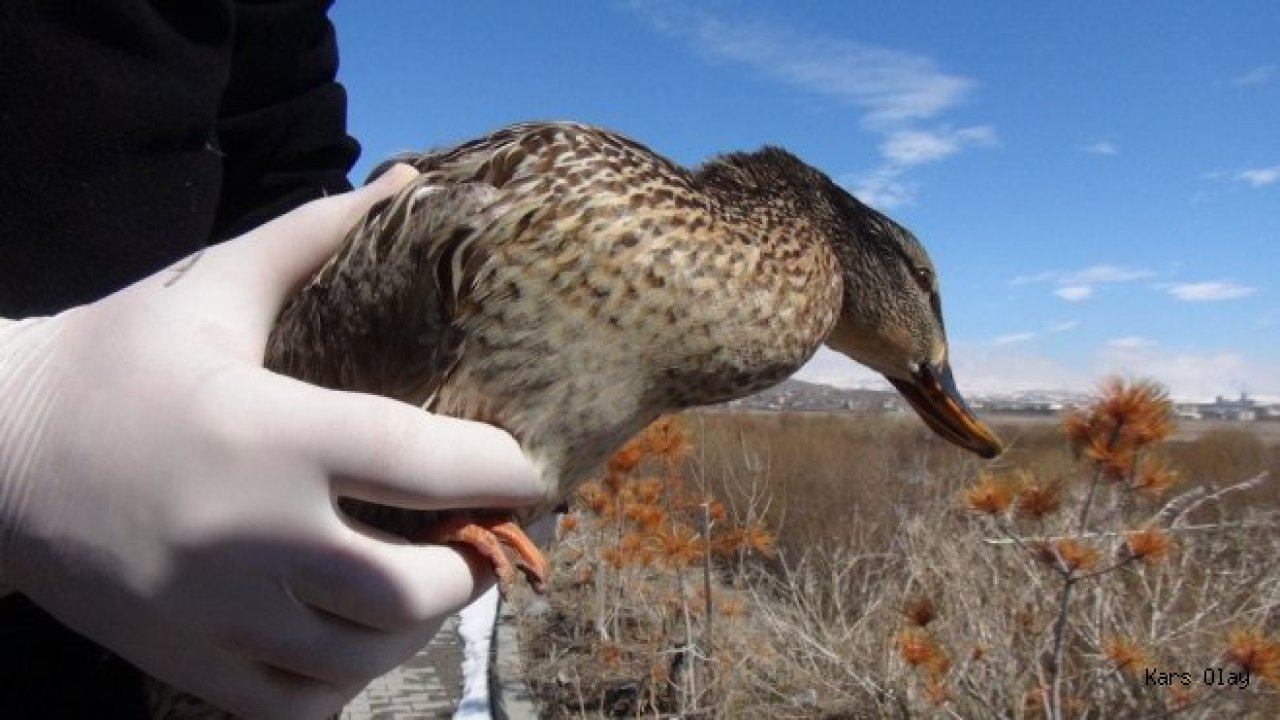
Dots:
pixel 891 319
pixel 891 315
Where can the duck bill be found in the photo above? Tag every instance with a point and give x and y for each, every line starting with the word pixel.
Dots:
pixel 932 392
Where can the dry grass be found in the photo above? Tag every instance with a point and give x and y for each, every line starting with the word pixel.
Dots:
pixel 887 597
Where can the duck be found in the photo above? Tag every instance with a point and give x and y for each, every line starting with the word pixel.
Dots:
pixel 569 285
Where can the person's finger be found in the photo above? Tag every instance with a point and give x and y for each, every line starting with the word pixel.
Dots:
pixel 293 246
pixel 391 453
pixel 245 687
pixel 391 587
pixel 324 646
pixel 268 263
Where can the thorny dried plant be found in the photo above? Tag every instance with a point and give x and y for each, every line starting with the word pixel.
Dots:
pixel 1173 567
pixel 1117 436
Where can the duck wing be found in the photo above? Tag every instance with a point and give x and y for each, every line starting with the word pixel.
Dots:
pixel 382 315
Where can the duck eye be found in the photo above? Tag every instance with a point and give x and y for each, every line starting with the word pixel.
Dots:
pixel 924 276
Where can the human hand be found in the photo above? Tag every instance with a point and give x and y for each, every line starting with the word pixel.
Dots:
pixel 166 496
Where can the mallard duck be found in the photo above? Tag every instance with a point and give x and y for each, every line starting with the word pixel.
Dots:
pixel 570 285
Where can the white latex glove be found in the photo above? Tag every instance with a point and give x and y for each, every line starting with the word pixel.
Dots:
pixel 163 494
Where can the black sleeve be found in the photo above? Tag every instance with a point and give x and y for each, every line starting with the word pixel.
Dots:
pixel 282 123
pixel 134 132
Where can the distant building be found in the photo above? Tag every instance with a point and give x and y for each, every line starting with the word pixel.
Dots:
pixel 1242 410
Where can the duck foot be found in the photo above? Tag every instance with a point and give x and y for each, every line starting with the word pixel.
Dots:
pixel 487 533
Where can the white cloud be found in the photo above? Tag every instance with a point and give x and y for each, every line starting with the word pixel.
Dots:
pixel 1101 147
pixel 1040 277
pixel 1259 177
pixel 1103 274
pixel 1074 293
pixel 1191 375
pixel 1013 338
pixel 883 188
pixel 1130 342
pixel 905 148
pixel 892 90
pixel 1209 291
pixel 1064 326
pixel 1079 285
pixel 889 86
pixel 1256 76
pixel 1092 275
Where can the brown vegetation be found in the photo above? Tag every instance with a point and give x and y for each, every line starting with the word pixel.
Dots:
pixel 757 565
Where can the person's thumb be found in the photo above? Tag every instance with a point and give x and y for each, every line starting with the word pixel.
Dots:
pixel 269 263
pixel 295 245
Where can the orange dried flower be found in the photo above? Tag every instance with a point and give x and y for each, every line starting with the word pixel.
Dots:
pixel 1066 553
pixel 665 438
pixel 989 496
pixel 1078 428
pixel 568 523
pixel 1126 416
pixel 715 510
pixel 920 611
pixel 1075 554
pixel 1140 408
pixel 1039 500
pixel 647 491
pixel 758 539
pixel 917 648
pixel 631 545
pixel 1126 655
pixel 592 495
pixel 679 546
pixel 625 459
pixel 1254 653
pixel 1149 545
pixel 1154 479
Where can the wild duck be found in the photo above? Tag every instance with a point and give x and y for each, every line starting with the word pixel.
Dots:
pixel 570 285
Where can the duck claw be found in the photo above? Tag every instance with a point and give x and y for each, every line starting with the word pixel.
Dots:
pixel 487 534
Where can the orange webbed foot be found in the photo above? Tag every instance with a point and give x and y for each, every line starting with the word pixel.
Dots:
pixel 488 533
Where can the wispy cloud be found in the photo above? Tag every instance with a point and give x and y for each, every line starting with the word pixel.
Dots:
pixel 1131 342
pixel 1013 338
pixel 887 185
pixel 1095 274
pixel 1074 293
pixel 892 90
pixel 884 187
pixel 1079 285
pixel 906 148
pixel 1101 147
pixel 1256 76
pixel 1064 326
pixel 1259 177
pixel 889 86
pixel 1209 291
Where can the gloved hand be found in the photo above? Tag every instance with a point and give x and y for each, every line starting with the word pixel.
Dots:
pixel 163 494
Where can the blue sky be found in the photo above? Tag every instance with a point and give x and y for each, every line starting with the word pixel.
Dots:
pixel 1098 183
